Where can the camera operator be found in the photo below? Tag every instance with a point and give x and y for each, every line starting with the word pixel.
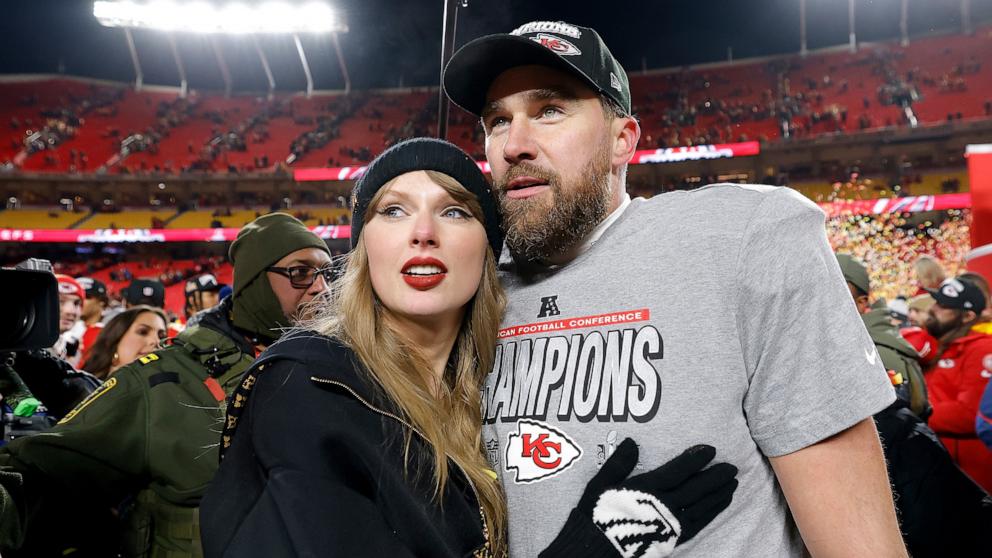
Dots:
pixel 37 386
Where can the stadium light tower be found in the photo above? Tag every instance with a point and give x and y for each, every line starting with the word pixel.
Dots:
pixel 904 23
pixel 803 50
pixel 850 26
pixel 234 18
pixel 448 27
pixel 966 17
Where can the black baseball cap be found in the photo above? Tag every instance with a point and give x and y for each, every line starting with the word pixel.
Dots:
pixel 94 287
pixel 202 283
pixel 573 49
pixel 145 291
pixel 959 294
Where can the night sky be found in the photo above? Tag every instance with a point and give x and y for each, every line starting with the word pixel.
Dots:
pixel 394 42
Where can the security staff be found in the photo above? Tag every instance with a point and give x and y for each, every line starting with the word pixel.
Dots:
pixel 145 443
pixel 897 355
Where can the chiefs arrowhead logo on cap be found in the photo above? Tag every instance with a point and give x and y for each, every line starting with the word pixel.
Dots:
pixel 560 46
pixel 951 288
pixel 537 451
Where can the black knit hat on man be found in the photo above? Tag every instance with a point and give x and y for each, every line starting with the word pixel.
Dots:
pixel 423 154
pixel 576 50
pixel 259 245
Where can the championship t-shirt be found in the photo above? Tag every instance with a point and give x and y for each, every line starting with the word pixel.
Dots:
pixel 717 316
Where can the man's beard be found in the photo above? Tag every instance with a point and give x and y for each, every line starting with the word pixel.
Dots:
pixel 551 223
pixel 939 329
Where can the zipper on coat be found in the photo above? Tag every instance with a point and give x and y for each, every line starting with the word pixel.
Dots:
pixel 371 407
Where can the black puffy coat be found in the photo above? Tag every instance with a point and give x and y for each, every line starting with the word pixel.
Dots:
pixel 942 512
pixel 317 468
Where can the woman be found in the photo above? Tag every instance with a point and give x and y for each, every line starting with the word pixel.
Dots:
pixel 127 337
pixel 362 437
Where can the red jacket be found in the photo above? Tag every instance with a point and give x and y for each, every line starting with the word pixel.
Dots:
pixel 956 384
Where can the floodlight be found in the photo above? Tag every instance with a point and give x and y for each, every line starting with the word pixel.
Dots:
pixel 198 16
pixel 231 18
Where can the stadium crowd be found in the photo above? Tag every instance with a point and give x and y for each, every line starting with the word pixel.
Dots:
pixel 116 432
pixel 935 80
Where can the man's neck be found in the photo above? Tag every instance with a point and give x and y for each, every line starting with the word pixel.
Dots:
pixel 586 243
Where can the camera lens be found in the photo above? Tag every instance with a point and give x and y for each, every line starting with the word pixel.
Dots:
pixel 16 323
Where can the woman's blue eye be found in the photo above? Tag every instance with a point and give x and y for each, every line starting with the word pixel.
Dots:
pixel 391 211
pixel 457 213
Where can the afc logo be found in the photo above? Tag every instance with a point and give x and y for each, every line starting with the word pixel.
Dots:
pixel 549 306
pixel 492 452
pixel 537 451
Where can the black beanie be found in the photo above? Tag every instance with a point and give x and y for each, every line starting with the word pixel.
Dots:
pixel 426 154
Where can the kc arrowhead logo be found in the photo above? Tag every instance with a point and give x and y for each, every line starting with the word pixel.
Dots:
pixel 537 451
pixel 557 44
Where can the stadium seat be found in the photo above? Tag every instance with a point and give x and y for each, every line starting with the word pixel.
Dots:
pixel 50 218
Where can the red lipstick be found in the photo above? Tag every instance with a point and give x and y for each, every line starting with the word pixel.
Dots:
pixel 424 273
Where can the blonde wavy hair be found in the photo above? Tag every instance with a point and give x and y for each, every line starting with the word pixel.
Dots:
pixel 448 416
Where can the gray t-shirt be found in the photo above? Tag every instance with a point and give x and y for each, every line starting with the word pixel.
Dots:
pixel 717 316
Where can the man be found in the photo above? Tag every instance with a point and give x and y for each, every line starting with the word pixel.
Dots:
pixel 958 379
pixel 40 386
pixel 71 300
pixel 898 357
pixel 899 312
pixel 146 441
pixel 150 292
pixel 96 300
pixel 202 292
pixel 287 276
pixel 916 334
pixel 984 324
pixel 93 308
pixel 919 309
pixel 671 321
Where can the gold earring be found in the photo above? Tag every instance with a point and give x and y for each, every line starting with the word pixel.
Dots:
pixel 116 358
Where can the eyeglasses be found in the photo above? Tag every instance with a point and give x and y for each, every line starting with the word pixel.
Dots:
pixel 303 276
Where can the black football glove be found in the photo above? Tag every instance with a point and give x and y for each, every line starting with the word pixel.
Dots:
pixel 646 515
